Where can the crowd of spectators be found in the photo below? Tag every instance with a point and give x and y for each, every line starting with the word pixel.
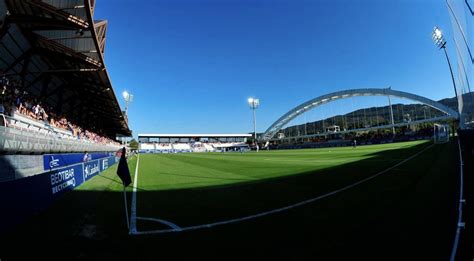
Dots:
pixel 13 100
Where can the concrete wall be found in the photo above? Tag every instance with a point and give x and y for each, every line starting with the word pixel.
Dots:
pixel 20 166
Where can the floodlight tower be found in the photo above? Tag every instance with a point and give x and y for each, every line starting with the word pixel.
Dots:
pixel 439 40
pixel 254 103
pixel 128 99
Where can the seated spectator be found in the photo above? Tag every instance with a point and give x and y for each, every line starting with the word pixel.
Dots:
pixel 52 122
pixel 43 114
pixel 37 111
pixel 13 100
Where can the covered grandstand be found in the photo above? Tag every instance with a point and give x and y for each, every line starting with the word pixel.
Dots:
pixel 173 143
pixel 59 115
pixel 56 93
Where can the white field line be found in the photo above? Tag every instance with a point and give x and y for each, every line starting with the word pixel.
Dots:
pixel 304 160
pixel 174 226
pixel 133 217
pixel 266 213
pixel 460 224
pixel 329 160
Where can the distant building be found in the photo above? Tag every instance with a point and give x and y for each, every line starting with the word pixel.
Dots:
pixel 174 143
pixel 333 128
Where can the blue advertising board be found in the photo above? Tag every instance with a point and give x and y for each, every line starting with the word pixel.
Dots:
pixel 34 193
pixel 91 169
pixel 107 162
pixel 55 161
pixel 66 179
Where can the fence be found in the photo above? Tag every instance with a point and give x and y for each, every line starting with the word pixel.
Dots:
pixel 22 136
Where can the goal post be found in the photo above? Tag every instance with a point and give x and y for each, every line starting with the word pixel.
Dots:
pixel 441 133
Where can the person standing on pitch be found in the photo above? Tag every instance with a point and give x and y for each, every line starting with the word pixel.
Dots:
pixel 354 143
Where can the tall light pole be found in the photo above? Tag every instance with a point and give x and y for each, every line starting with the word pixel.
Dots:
pixel 441 43
pixel 128 99
pixel 254 103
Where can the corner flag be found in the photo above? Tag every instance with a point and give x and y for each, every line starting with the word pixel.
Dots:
pixel 122 169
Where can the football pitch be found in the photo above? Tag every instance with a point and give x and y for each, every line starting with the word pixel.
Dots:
pixel 386 201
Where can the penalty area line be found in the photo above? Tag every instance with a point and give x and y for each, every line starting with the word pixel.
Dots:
pixel 266 213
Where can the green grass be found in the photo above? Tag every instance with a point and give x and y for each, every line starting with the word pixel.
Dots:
pixel 178 171
pixel 406 213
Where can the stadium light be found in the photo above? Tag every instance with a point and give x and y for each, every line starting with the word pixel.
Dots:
pixel 254 103
pixel 439 40
pixel 128 99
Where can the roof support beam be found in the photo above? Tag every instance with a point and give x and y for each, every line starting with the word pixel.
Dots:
pixel 68 70
pixel 37 79
pixel 55 11
pixel 69 38
pixel 72 7
pixel 22 57
pixel 24 69
pixel 56 48
pixel 42 23
pixel 64 77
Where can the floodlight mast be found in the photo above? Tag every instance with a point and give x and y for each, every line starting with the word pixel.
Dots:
pixel 439 41
pixel 128 99
pixel 254 103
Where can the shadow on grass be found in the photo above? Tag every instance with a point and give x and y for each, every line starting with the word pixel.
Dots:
pixel 408 213
pixel 466 244
pixel 115 181
pixel 202 177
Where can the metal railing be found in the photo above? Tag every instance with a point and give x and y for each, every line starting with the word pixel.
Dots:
pixel 36 137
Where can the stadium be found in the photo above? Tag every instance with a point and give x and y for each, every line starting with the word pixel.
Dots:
pixel 374 173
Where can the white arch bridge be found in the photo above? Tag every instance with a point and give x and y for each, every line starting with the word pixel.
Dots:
pixel 318 101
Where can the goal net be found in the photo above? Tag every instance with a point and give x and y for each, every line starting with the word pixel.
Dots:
pixel 441 133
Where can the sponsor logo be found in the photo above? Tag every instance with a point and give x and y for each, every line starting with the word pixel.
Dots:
pixel 53 163
pixel 105 164
pixel 91 170
pixel 62 180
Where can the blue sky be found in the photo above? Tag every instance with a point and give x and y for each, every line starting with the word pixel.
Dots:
pixel 191 65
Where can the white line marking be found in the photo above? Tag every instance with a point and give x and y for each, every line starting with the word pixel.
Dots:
pixel 133 217
pixel 172 225
pixel 461 198
pixel 305 202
